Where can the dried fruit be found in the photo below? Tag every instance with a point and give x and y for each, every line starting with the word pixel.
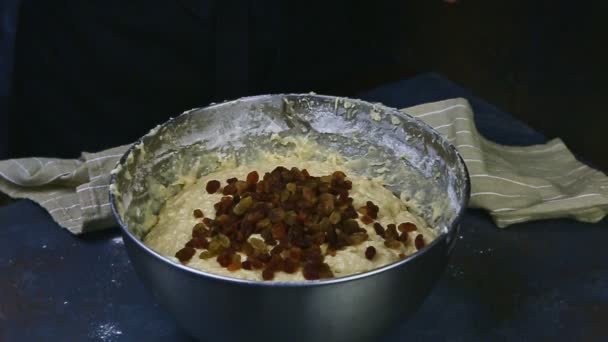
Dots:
pixel 206 255
pixel 253 177
pixel 391 232
pixel 379 229
pixel 268 274
pixel 403 237
pixel 243 206
pixel 394 244
pixel 407 227
pixel 292 211
pixel 419 242
pixel 212 186
pixel 185 254
pixel 370 252
pixel 235 264
pixel 366 219
pixel 258 244
pixel 358 238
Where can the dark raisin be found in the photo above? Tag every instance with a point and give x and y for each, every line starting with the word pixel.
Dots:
pixel 419 242
pixel 225 257
pixel 185 254
pixel 246 264
pixel 366 219
pixel 370 252
pixel 379 229
pixel 403 237
pixel 229 189
pixel 212 186
pixel 198 213
pixel 278 231
pixel 290 266
pixel 235 265
pixel 268 274
pixel 407 227
pixel 264 257
pixel 253 177
pixel 311 271
pixel 231 180
pixel 391 232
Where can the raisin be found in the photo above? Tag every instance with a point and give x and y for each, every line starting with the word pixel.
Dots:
pixel 255 263
pixel 290 266
pixel 391 232
pixel 225 258
pixel 407 227
pixel 253 177
pixel 200 231
pixel 325 271
pixel 235 265
pixel 246 264
pixel 393 244
pixel 197 213
pixel 185 254
pixel 276 215
pixel 403 237
pixel 358 238
pixel 231 180
pixel 247 248
pixel 379 229
pixel 212 186
pixel 311 271
pixel 264 257
pixel 419 242
pixel 350 226
pixel 335 217
pixel 370 252
pixel 243 206
pixel 206 255
pixel 229 189
pixel 401 255
pixel 241 187
pixel 278 231
pixel 366 219
pixel 198 243
pixel 268 274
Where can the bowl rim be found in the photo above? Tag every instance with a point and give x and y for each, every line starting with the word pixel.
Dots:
pixel 301 283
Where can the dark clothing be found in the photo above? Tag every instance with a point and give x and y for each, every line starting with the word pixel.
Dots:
pixel 89 75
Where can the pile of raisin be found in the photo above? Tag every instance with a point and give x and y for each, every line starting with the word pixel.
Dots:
pixel 294 213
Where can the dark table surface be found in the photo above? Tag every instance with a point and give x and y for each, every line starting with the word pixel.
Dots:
pixel 541 280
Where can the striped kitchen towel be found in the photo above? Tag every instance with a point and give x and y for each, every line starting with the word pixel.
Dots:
pixel 514 184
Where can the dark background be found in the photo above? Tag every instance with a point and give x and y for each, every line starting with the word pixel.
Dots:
pixel 92 74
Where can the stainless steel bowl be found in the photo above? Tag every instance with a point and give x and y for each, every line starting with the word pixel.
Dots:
pixel 352 308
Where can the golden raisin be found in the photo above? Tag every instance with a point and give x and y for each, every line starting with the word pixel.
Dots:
pixel 419 242
pixel 390 243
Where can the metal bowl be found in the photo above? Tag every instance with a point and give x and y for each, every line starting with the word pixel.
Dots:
pixel 423 166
